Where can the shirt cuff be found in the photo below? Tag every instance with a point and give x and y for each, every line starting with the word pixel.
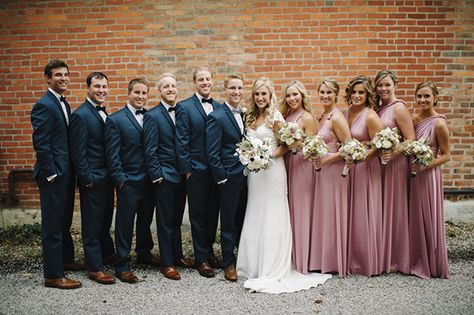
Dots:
pixel 222 181
pixel 50 178
pixel 157 180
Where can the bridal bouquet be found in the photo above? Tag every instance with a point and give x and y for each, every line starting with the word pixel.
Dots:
pixel 314 147
pixel 352 150
pixel 386 139
pixel 289 133
pixel 254 154
pixel 421 152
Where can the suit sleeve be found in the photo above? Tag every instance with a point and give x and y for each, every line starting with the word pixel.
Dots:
pixel 112 152
pixel 41 119
pixel 78 136
pixel 152 141
pixel 213 146
pixel 183 133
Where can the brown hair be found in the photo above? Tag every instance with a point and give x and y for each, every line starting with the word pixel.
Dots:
pixel 432 87
pixel 367 84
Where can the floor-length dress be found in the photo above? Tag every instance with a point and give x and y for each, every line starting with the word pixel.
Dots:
pixel 428 253
pixel 264 256
pixel 330 215
pixel 300 174
pixel 365 209
pixel 395 177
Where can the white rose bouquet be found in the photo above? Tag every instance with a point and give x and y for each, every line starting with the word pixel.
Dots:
pixel 421 151
pixel 352 151
pixel 290 133
pixel 386 139
pixel 254 154
pixel 314 147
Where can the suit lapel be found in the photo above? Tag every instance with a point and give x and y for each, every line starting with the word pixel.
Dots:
pixel 132 118
pixel 58 104
pixel 232 119
pixel 199 107
pixel 165 113
pixel 95 113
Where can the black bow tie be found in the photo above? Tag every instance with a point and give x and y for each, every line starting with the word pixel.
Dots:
pixel 62 98
pixel 207 100
pixel 171 109
pixel 140 111
pixel 100 108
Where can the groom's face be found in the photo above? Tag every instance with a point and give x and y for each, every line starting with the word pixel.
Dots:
pixel 234 91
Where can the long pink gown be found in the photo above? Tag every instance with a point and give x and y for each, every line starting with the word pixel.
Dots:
pixel 331 205
pixel 395 176
pixel 300 198
pixel 428 254
pixel 365 209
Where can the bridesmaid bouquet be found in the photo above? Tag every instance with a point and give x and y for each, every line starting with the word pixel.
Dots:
pixel 314 147
pixel 386 139
pixel 290 133
pixel 421 152
pixel 254 154
pixel 352 150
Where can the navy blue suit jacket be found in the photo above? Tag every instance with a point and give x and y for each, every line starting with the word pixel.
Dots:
pixel 191 134
pixel 222 135
pixel 124 147
pixel 50 138
pixel 160 152
pixel 87 144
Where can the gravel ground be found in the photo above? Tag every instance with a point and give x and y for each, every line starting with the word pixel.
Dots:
pixel 22 292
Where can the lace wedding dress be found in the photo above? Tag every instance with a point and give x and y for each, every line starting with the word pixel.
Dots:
pixel 264 256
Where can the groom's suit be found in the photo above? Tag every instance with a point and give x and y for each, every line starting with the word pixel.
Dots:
pixel 202 191
pixel 170 192
pixel 222 135
pixel 50 141
pixel 87 142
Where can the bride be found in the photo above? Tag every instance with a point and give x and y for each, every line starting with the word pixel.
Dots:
pixel 264 256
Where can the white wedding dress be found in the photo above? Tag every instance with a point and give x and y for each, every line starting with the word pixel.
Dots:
pixel 264 256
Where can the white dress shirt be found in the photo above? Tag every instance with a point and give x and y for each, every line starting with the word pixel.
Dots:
pixel 101 113
pixel 206 106
pixel 138 117
pixel 63 106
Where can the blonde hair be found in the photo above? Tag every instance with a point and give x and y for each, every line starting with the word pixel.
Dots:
pixel 383 74
pixel 165 75
pixel 195 72
pixel 367 84
pixel 332 85
pixel 284 108
pixel 432 86
pixel 232 76
pixel 252 114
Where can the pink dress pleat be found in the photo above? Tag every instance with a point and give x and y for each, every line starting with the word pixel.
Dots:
pixel 365 209
pixel 300 174
pixel 428 254
pixel 330 214
pixel 395 177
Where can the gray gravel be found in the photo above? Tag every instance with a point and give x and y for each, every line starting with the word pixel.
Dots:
pixel 24 293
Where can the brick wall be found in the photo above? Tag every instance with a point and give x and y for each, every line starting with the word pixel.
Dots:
pixel 284 40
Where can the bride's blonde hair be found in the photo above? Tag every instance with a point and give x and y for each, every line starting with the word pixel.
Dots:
pixel 252 114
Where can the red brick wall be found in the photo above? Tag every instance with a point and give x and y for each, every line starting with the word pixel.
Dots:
pixel 284 40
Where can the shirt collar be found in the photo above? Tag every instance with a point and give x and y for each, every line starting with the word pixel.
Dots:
pixel 166 105
pixel 90 101
pixel 58 96
pixel 131 108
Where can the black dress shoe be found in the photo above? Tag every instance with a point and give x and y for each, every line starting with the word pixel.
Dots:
pixel 151 260
pixel 206 270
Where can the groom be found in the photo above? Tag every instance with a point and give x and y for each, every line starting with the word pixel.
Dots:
pixel 225 128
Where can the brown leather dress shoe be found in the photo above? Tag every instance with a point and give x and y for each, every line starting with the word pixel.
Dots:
pixel 127 276
pixel 215 262
pixel 101 277
pixel 170 273
pixel 230 273
pixel 151 260
pixel 62 283
pixel 74 266
pixel 206 270
pixel 185 263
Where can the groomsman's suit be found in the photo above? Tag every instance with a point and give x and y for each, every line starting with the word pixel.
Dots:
pixel 126 162
pixel 201 188
pixel 50 141
pixel 222 134
pixel 87 144
pixel 169 188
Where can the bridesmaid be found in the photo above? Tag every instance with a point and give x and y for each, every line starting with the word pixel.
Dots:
pixel 295 107
pixel 365 201
pixel 394 113
pixel 428 254
pixel 329 223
